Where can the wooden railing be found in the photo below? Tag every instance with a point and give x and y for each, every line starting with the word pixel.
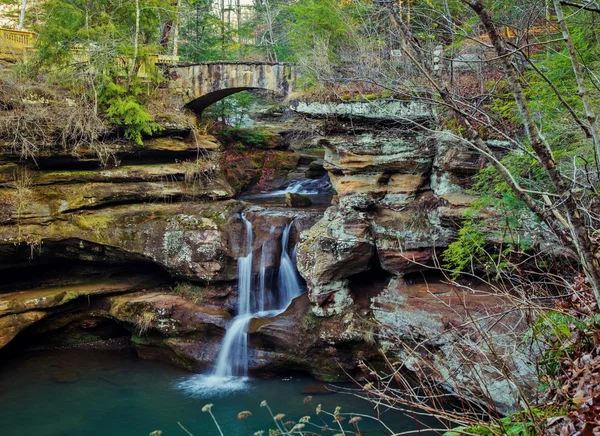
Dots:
pixel 14 44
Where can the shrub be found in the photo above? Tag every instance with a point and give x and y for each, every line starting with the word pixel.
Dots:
pixel 125 108
pixel 255 137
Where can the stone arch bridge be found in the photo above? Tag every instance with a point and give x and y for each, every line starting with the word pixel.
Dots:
pixel 201 85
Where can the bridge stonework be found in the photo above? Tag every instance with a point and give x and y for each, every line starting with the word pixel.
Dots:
pixel 201 85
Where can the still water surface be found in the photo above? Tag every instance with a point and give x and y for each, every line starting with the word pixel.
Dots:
pixel 75 392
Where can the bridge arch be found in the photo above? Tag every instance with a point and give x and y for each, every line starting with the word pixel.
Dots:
pixel 201 85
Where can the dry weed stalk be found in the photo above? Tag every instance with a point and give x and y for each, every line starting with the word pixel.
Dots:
pixel 458 374
pixel 33 118
pixel 144 322
pixel 21 193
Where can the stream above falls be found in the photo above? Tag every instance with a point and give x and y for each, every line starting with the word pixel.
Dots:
pixel 317 190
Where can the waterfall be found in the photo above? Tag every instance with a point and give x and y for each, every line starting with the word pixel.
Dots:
pixel 262 285
pixel 309 186
pixel 230 369
pixel 232 359
pixel 303 186
pixel 287 280
pixel 245 272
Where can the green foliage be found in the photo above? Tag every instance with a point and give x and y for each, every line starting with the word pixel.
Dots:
pixel 524 423
pixel 503 103
pixel 314 20
pixel 255 137
pixel 124 108
pixel 467 250
pixel 88 49
pixel 556 65
pixel 524 168
pixel 569 146
pixel 240 148
pixel 187 289
pixel 102 28
pixel 207 36
pixel 321 32
pixel 561 335
pixel 232 110
pixel 134 118
pixel 513 227
pixel 487 242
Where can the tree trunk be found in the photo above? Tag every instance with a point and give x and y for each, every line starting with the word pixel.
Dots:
pixel 166 34
pixel 270 19
pixel 580 238
pixel 22 16
pixel 583 92
pixel 176 30
pixel 135 43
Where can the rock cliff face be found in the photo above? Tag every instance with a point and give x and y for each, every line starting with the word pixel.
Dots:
pixel 157 206
pixel 400 194
pixel 149 249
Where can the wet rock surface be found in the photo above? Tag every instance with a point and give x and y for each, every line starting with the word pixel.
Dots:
pixel 297 200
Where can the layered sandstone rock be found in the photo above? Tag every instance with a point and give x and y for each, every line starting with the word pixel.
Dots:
pixel 462 338
pixel 400 195
pixel 162 204
pixel 73 231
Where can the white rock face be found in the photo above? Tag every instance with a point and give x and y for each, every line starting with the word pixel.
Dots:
pixel 378 109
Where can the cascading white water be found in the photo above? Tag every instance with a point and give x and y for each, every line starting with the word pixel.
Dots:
pixel 232 359
pixel 287 280
pixel 231 365
pixel 309 186
pixel 233 354
pixel 245 272
pixel 303 186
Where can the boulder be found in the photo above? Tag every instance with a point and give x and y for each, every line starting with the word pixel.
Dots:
pixel 327 347
pixel 297 200
pixel 464 338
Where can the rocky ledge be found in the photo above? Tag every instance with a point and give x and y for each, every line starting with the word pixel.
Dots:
pixel 400 197
pixel 148 250
pixel 402 190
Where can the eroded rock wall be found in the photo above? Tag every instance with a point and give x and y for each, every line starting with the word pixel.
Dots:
pixel 400 196
pixel 150 244
pixel 402 190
